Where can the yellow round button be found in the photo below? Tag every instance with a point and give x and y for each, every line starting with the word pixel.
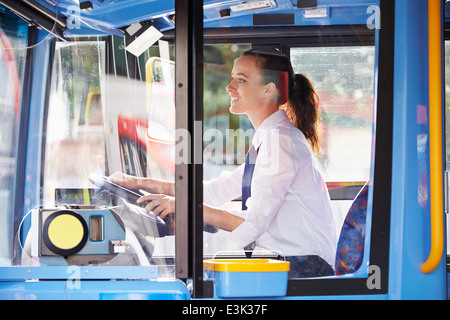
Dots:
pixel 65 231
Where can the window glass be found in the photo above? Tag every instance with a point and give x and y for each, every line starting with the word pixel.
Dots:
pixel 74 139
pixel 343 78
pixel 13 44
pixel 226 136
pixel 108 117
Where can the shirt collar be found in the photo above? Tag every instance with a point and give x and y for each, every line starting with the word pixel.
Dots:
pixel 270 122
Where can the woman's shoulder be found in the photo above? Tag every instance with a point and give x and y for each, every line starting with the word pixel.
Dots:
pixel 287 137
pixel 288 131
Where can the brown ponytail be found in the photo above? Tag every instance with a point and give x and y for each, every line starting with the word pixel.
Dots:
pixel 303 102
pixel 302 110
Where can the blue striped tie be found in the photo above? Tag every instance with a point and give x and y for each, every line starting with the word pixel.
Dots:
pixel 246 188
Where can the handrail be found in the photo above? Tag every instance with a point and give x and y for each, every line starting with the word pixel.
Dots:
pixel 435 122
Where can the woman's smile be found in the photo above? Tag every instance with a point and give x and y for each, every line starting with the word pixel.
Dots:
pixel 234 99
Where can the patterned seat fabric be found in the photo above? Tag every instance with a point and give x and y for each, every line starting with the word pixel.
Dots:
pixel 350 249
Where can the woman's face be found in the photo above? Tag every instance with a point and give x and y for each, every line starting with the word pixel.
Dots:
pixel 246 89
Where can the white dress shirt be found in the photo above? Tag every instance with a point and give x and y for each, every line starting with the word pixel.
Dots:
pixel 289 211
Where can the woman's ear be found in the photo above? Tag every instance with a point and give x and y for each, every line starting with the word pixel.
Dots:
pixel 270 90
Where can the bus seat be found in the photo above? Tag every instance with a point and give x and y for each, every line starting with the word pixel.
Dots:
pixel 350 248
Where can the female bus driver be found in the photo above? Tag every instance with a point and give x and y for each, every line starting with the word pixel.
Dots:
pixel 288 208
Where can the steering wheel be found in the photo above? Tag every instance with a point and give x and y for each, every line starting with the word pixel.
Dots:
pixel 131 196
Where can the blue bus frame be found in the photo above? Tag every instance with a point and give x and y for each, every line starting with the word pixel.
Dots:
pixel 400 226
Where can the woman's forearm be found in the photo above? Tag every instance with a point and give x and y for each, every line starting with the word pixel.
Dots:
pixel 216 217
pixel 147 184
pixel 159 186
pixel 220 218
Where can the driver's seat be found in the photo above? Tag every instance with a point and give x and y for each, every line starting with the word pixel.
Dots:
pixel 350 249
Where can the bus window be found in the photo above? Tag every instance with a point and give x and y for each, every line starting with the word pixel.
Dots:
pixel 226 136
pixel 13 48
pixel 160 79
pixel 75 120
pixel 107 115
pixel 344 80
pixel 343 77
